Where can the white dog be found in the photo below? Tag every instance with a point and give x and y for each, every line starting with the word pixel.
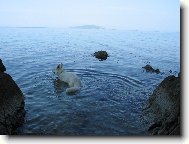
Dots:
pixel 70 78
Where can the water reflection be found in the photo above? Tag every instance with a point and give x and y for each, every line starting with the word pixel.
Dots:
pixel 59 86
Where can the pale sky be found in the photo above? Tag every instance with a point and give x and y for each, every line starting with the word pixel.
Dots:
pixel 162 15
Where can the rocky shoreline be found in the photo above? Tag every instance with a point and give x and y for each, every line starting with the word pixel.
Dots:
pixel 162 111
pixel 12 110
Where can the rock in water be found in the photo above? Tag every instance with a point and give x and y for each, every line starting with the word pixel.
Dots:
pixel 11 105
pixel 163 108
pixel 149 68
pixel 101 55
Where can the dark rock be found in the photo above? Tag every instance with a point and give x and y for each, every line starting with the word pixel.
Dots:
pixel 101 55
pixel 2 67
pixel 179 74
pixel 149 68
pixel 162 110
pixel 11 105
pixel 157 71
pixel 155 125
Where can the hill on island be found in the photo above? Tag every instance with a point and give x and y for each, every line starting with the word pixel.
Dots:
pixel 88 27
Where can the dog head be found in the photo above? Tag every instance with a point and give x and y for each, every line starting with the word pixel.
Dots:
pixel 59 69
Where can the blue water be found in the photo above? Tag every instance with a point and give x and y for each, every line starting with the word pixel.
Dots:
pixel 113 91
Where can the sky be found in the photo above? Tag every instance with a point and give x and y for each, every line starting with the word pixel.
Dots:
pixel 161 15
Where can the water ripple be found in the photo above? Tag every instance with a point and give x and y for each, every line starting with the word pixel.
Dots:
pixel 111 94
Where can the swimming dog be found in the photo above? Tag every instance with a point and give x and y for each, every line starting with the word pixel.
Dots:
pixel 68 77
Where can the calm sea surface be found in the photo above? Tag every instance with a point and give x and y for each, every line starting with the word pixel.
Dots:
pixel 113 91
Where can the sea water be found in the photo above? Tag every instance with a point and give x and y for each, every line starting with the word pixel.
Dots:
pixel 113 91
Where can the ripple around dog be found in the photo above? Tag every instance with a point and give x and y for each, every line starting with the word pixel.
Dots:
pixel 100 92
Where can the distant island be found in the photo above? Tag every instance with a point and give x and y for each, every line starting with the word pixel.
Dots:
pixel 88 27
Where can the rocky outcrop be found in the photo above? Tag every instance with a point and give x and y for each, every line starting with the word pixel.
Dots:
pixel 149 68
pixel 101 55
pixel 2 67
pixel 162 110
pixel 11 104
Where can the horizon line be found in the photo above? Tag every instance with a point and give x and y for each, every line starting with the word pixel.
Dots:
pixel 154 30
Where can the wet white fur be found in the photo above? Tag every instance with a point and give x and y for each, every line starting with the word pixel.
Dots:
pixel 68 77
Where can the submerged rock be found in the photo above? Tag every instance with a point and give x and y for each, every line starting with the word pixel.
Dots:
pixel 149 68
pixel 101 55
pixel 162 110
pixel 11 105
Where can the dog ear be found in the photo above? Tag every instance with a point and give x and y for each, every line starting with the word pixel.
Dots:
pixel 58 66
